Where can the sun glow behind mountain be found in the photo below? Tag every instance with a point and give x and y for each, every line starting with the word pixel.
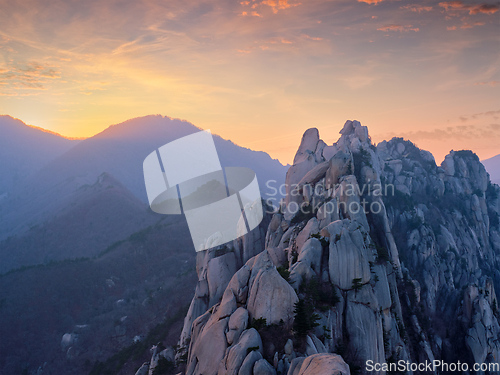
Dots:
pixel 258 72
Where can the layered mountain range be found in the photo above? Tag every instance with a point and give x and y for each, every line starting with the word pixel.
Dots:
pixel 375 254
pixel 81 253
pixel 50 184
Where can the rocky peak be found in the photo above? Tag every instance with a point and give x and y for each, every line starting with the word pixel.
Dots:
pixel 376 253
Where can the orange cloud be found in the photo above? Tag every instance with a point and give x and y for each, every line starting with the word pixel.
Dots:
pixel 470 26
pixel 417 8
pixel 312 37
pixel 472 9
pixel 489 83
pixel 451 28
pixel 399 28
pixel 370 1
pixel 278 5
pixel 254 14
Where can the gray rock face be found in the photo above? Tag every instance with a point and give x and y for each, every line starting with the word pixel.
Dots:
pixel 338 166
pixel 262 367
pixel 220 270
pixel 237 353
pixel 249 362
pixel 208 351
pixel 348 261
pixel 307 146
pixel 237 324
pixel 423 243
pixel 311 253
pixel 482 337
pixel 311 227
pixel 267 288
pixel 324 364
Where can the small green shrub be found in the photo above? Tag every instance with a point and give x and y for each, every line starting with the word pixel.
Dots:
pixel 258 323
pixel 164 366
pixel 356 284
pixel 252 348
pixel 285 273
pixel 305 318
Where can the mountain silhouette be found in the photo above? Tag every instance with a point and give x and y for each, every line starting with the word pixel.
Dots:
pixel 119 150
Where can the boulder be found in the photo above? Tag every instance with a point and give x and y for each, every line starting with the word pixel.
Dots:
pixel 219 271
pixel 289 347
pixel 208 350
pixel 448 165
pixel 307 146
pixel 312 227
pixel 338 166
pixel 324 364
pixel 262 367
pixel 299 272
pixel 249 362
pixel 249 339
pixel 295 365
pixel 277 255
pixel 268 288
pixel 348 262
pixel 311 253
pixel 143 370
pixel 329 152
pixel 238 284
pixel 237 323
pixel 315 174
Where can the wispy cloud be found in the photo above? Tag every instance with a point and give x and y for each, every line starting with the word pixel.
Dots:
pixel 471 25
pixel 488 83
pixel 471 8
pixel 32 75
pixel 416 8
pixel 479 115
pixel 460 132
pixel 400 28
pixel 275 5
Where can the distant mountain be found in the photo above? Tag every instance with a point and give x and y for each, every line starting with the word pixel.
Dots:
pixel 492 166
pixel 24 150
pixel 119 150
pixel 88 221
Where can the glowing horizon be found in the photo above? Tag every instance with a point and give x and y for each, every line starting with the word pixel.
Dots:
pixel 259 72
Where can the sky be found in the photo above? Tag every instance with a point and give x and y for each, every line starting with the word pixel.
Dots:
pixel 259 72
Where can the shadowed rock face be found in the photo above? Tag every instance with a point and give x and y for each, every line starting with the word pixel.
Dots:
pixel 397 259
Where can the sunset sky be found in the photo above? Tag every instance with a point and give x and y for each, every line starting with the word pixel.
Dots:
pixel 259 72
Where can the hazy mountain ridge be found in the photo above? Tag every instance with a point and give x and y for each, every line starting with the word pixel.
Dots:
pixel 119 150
pixel 24 150
pixel 89 220
pixel 492 165
pixel 72 207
